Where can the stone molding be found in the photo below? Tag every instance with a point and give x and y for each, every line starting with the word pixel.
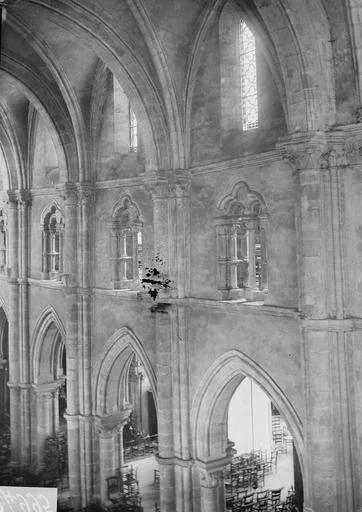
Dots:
pixel 323 151
pixel 168 184
pixel 333 325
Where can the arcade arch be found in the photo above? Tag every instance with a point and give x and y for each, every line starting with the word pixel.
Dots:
pixel 118 396
pixel 48 382
pixel 209 419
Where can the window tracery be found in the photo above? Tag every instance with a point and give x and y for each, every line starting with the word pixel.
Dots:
pixel 126 245
pixel 52 243
pixel 241 244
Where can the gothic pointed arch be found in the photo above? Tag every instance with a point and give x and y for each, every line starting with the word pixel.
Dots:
pixel 43 98
pixel 137 77
pixel 65 88
pixel 48 342
pixel 12 151
pixel 112 363
pixel 307 94
pixel 211 401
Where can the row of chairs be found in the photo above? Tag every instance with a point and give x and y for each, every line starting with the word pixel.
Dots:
pixel 124 482
pixel 268 500
pixel 249 471
pixel 141 447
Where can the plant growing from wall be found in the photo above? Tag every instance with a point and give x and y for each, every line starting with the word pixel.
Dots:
pixel 155 279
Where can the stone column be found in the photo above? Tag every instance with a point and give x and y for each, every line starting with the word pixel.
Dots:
pixel 47 418
pixel 85 229
pixel 165 407
pixel 107 428
pixel 69 194
pixel 181 188
pixel 106 456
pixel 24 202
pixel 251 255
pixel 212 490
pixel 330 474
pixel 14 349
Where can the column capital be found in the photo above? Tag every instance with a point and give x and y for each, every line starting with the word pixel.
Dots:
pixel 211 479
pixel 212 472
pixel 110 424
pixel 12 199
pixel 180 183
pixel 157 185
pixel 168 184
pixel 68 192
pixel 86 192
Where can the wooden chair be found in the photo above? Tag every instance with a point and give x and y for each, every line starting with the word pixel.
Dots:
pixel 274 497
pixel 156 477
pixel 114 486
pixel 248 499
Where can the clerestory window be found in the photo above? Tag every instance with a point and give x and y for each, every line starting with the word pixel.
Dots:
pixel 241 245
pixel 133 130
pixel 52 243
pixel 126 246
pixel 248 78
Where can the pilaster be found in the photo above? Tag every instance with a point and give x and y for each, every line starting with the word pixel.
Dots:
pixel 320 162
pixel 171 217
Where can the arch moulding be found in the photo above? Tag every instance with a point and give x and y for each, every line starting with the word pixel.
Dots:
pixel 119 342
pixel 211 403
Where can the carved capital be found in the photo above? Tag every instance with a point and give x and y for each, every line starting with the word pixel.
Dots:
pixel 86 193
pixel 68 193
pixel 353 149
pixel 304 158
pixel 211 479
pixel 109 425
pixel 334 158
pixel 157 185
pixel 180 184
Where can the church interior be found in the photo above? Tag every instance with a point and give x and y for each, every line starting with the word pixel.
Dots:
pixel 181 254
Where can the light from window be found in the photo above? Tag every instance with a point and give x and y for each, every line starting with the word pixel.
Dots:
pixel 249 96
pixel 133 131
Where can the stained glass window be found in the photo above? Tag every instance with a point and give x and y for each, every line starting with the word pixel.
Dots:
pixel 133 135
pixel 249 93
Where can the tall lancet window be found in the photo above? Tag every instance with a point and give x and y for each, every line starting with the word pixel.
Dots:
pixel 249 92
pixel 126 245
pixel 52 243
pixel 3 243
pixel 133 131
